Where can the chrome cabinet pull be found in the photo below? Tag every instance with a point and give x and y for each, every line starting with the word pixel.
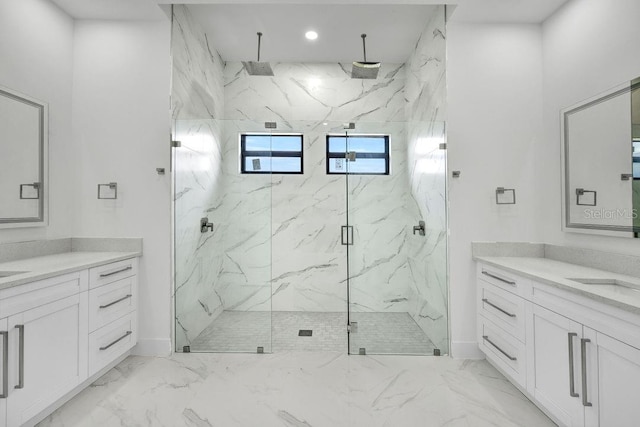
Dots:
pixel 5 364
pixel 116 341
pixel 583 356
pixel 486 338
pixel 116 272
pixel 508 282
pixel 116 301
pixel 498 308
pixel 572 387
pixel 20 329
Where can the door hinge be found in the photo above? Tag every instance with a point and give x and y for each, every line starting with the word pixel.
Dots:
pixel 443 146
pixel 176 144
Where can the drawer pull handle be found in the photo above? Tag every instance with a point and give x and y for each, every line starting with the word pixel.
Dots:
pixel 498 308
pixel 116 272
pixel 486 338
pixel 116 301
pixel 508 282
pixel 116 341
pixel 20 329
pixel 572 387
pixel 5 364
pixel 583 357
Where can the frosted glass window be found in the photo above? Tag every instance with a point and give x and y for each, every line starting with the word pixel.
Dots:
pixel 264 153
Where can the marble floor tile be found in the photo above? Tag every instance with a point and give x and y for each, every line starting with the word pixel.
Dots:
pixel 301 389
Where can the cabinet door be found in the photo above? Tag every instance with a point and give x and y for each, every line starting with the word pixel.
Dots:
pixel 555 356
pixel 4 366
pixel 613 378
pixel 48 355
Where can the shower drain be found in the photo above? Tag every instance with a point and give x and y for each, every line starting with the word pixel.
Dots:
pixel 305 332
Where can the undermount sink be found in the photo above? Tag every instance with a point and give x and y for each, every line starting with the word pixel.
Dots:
pixel 613 285
pixel 10 273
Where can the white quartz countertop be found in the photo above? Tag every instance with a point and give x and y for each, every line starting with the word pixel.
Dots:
pixel 557 274
pixel 43 267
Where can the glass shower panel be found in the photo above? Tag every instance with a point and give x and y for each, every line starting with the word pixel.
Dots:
pixel 222 250
pixel 397 273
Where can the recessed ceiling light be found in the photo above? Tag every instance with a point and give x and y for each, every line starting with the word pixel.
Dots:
pixel 311 35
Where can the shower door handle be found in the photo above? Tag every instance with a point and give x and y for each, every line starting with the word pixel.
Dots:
pixel 346 234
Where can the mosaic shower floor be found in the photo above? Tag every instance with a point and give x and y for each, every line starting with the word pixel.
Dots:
pixel 378 333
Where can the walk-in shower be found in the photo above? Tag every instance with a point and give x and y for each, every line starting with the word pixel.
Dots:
pixel 326 197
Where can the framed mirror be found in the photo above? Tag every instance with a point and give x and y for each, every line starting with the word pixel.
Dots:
pixel 23 160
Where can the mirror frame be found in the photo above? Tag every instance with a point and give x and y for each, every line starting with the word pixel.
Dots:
pixel 43 209
pixel 567 225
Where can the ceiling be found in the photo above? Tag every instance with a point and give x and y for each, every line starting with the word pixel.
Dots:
pixel 392 31
pixel 392 26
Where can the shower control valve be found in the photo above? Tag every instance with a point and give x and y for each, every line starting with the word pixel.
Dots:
pixel 205 225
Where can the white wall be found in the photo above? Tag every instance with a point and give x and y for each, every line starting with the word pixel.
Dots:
pixel 494 78
pixel 36 47
pixel 589 46
pixel 121 124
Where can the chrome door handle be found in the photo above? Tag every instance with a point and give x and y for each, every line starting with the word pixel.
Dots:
pixel 5 364
pixel 20 329
pixel 583 357
pixel 116 341
pixel 486 273
pixel 116 301
pixel 498 308
pixel 486 338
pixel 572 387
pixel 117 271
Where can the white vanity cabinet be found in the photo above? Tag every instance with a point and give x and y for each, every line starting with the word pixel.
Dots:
pixel 46 329
pixel 580 357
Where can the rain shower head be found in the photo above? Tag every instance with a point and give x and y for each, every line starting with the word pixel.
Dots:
pixel 257 68
pixel 364 69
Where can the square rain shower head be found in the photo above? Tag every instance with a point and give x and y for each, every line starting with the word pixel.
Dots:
pixel 365 70
pixel 258 68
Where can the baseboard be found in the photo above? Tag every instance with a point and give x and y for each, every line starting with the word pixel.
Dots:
pixel 466 350
pixel 152 347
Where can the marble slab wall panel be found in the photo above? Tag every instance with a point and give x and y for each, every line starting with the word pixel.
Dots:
pixel 315 92
pixel 425 92
pixel 197 105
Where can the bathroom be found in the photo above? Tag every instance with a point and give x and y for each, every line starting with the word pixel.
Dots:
pixel 115 84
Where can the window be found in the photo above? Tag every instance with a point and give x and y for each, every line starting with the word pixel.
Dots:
pixel 265 153
pixel 372 154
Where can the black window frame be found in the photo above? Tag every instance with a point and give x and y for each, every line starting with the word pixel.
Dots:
pixel 251 153
pixel 342 154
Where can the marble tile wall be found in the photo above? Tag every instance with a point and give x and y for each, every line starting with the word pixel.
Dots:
pixel 307 259
pixel 425 91
pixel 197 101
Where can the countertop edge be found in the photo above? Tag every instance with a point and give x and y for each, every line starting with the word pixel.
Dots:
pixel 559 285
pixel 46 274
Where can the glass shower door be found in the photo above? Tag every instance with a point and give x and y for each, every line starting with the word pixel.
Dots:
pixel 222 240
pixel 396 226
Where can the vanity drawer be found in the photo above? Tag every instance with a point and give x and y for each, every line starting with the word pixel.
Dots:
pixel 503 349
pixel 503 308
pixel 111 341
pixel 504 280
pixel 110 302
pixel 109 273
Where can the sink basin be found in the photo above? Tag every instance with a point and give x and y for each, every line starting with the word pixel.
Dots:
pixel 10 273
pixel 612 285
